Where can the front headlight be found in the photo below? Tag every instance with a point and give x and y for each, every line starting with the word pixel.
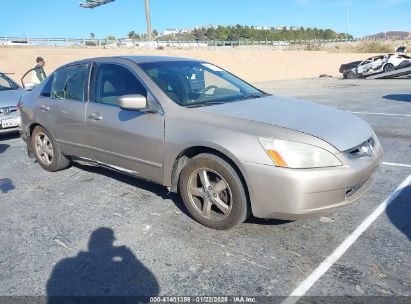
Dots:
pixel 290 154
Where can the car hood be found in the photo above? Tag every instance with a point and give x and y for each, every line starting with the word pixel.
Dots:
pixel 10 98
pixel 339 128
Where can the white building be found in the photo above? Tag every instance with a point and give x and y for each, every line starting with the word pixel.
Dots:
pixel 185 31
pixel 169 32
pixel 262 28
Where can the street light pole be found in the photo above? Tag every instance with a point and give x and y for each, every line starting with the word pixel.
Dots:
pixel 346 24
pixel 148 19
pixel 95 3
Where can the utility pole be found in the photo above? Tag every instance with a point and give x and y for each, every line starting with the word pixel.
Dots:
pixel 346 24
pixel 148 19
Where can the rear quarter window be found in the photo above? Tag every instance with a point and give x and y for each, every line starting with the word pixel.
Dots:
pixel 46 92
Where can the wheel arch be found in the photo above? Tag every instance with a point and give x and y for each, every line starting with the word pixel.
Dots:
pixel 30 129
pixel 185 155
pixel 388 64
pixel 29 132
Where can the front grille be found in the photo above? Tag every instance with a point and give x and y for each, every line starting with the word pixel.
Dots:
pixel 8 110
pixel 362 150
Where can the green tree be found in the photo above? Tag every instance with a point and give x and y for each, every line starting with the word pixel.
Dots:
pixel 133 35
pixel 241 32
pixel 199 33
pixel 211 33
pixel 92 36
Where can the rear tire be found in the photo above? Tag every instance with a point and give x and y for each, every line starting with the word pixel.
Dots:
pixel 350 75
pixel 47 152
pixel 213 193
pixel 389 68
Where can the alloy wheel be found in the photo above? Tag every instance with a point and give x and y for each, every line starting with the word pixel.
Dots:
pixel 210 194
pixel 44 148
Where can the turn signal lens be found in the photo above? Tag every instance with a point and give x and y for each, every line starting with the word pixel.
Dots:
pixel 279 161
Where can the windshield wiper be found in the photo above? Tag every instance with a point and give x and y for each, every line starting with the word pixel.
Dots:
pixel 217 102
pixel 205 104
pixel 252 96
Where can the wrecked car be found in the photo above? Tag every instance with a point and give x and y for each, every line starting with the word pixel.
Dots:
pixel 376 65
pixel 396 62
pixel 370 66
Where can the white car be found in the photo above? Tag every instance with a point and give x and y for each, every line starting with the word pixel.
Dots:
pixel 396 62
pixel 375 65
pixel 15 42
pixel 370 66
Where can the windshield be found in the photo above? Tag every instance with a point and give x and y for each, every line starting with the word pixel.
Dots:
pixel 190 83
pixel 6 83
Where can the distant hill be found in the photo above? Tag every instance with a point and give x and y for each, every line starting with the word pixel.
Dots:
pixel 390 35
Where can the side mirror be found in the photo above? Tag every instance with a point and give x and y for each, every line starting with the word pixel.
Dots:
pixel 132 102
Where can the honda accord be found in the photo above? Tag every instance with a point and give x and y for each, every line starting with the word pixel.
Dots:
pixel 229 149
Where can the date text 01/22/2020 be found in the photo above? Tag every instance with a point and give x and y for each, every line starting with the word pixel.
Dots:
pixel 203 299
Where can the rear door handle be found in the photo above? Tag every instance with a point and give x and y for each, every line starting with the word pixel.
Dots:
pixel 44 108
pixel 95 116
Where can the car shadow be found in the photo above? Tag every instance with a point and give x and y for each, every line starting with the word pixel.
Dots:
pixel 3 148
pixel 6 185
pixel 398 97
pixel 267 222
pixel 159 190
pixel 9 136
pixel 103 274
pixel 399 210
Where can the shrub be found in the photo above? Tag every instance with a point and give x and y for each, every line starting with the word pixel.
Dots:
pixel 374 47
pixel 313 47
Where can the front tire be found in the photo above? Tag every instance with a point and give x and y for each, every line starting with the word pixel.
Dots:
pixel 213 193
pixel 389 68
pixel 47 152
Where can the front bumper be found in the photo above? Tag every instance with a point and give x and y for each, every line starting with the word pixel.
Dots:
pixel 292 194
pixel 9 130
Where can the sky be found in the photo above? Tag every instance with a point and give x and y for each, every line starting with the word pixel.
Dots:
pixel 65 18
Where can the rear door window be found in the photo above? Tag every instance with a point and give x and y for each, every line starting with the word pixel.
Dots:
pixel 114 81
pixel 70 83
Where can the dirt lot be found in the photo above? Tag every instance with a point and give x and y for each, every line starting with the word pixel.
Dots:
pixel 50 222
pixel 253 64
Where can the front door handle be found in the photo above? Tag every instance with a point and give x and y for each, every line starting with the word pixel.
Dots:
pixel 95 116
pixel 44 108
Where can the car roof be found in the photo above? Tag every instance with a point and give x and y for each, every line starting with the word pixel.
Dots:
pixel 141 59
pixel 137 59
